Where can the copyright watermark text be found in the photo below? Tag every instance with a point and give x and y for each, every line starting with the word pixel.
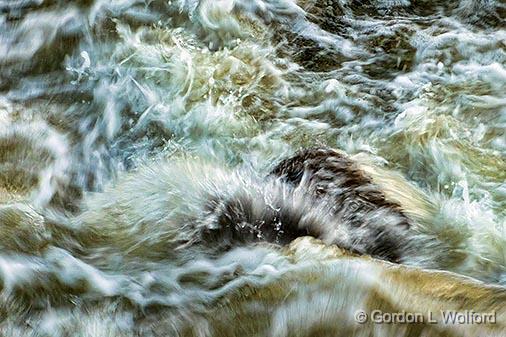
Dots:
pixel 442 317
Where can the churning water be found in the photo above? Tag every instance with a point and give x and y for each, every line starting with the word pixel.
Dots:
pixel 120 120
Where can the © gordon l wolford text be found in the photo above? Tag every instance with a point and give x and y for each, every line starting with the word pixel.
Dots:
pixel 430 317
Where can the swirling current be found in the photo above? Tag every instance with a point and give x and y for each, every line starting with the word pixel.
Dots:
pixel 251 167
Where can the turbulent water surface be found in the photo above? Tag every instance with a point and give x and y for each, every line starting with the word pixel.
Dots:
pixel 123 123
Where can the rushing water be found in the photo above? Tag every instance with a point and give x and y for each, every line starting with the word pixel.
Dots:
pixel 119 118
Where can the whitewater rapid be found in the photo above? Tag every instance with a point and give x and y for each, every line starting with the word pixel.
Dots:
pixel 120 118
